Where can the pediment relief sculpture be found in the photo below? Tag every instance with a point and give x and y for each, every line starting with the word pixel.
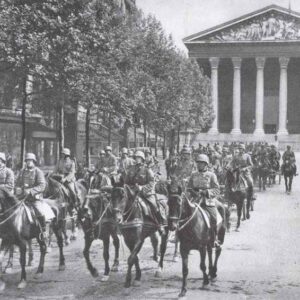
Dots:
pixel 265 28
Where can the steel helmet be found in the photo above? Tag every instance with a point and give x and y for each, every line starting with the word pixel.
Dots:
pixel 242 146
pixel 102 152
pixel 2 156
pixel 225 149
pixel 30 156
pixel 139 154
pixel 108 148
pixel 202 157
pixel 124 150
pixel 186 150
pixel 147 150
pixel 130 153
pixel 66 151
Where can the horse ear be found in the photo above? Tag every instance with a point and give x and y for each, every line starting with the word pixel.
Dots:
pixel 113 182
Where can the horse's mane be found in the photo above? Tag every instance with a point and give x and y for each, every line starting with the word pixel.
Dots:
pixel 7 196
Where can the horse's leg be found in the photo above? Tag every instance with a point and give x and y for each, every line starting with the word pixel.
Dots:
pixel 116 243
pixel 185 269
pixel 86 253
pixel 43 249
pixel 9 264
pixel 106 256
pixel 203 265
pixel 175 255
pixel 290 183
pixel 58 231
pixel 30 253
pixel 248 201
pixel 259 181
pixel 138 272
pixel 154 242
pixel 215 266
pixel 163 247
pixel 74 230
pixel 210 260
pixel 132 260
pixel 22 247
pixel 3 250
pixel 286 183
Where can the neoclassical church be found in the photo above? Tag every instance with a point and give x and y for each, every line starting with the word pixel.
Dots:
pixel 254 65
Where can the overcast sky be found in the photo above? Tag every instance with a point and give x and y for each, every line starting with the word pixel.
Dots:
pixel 185 17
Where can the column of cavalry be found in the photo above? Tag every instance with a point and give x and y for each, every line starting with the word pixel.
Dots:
pixel 126 195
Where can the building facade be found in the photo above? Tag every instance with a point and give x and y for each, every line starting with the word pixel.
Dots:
pixel 254 65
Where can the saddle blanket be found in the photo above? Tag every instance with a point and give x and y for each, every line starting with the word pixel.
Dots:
pixel 206 217
pixel 43 208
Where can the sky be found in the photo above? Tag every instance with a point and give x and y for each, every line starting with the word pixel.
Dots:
pixel 182 18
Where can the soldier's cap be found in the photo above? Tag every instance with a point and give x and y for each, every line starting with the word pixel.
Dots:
pixel 102 152
pixel 30 156
pixel 139 154
pixel 124 150
pixel 66 151
pixel 3 156
pixel 242 146
pixel 108 148
pixel 186 150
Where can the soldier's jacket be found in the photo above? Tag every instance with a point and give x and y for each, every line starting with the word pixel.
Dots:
pixel 207 181
pixel 7 179
pixel 184 168
pixel 110 162
pixel 150 161
pixel 99 164
pixel 242 161
pixel 125 164
pixel 143 176
pixel 289 155
pixel 32 181
pixel 66 167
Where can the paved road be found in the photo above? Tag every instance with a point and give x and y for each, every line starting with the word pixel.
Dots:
pixel 261 261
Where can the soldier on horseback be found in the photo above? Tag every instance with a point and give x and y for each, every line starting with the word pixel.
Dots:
pixel 141 178
pixel 204 188
pixel 66 170
pixel 289 157
pixel 243 161
pixel 125 162
pixel 6 174
pixel 110 163
pixel 30 186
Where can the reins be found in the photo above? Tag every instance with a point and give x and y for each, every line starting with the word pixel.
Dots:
pixel 16 206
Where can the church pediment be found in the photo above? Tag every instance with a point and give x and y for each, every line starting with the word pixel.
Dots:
pixel 270 24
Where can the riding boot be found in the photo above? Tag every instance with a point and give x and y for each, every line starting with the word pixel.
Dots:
pixel 43 227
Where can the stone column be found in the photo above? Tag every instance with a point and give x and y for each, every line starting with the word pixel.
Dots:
pixel 283 92
pixel 259 108
pixel 214 63
pixel 236 106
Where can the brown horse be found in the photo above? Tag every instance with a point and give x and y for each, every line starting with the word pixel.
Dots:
pixel 194 234
pixel 237 193
pixel 16 229
pixel 96 218
pixel 135 227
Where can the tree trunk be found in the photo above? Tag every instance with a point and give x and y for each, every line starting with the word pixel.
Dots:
pixel 61 133
pixel 109 129
pixel 125 133
pixel 23 136
pixel 149 137
pixel 87 137
pixel 135 137
pixel 145 133
pixel 178 138
pixel 172 141
pixel 164 146
pixel 155 149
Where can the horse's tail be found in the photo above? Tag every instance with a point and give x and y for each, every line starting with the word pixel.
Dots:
pixel 225 214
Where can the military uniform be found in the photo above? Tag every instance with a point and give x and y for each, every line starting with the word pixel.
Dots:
pixel 110 164
pixel 33 184
pixel 7 179
pixel 206 182
pixel 125 164
pixel 184 168
pixel 289 155
pixel 244 161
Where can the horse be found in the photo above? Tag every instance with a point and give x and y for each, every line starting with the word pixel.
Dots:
pixel 194 233
pixel 96 219
pixel 56 190
pixel 135 226
pixel 275 170
pixel 17 229
pixel 237 193
pixel 264 170
pixel 288 174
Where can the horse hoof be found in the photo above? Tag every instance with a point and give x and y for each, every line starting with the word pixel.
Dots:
pixel 175 258
pixel 137 283
pixel 115 268
pixel 2 286
pixel 248 216
pixel 95 273
pixel 22 284
pixel 104 278
pixel 182 295
pixel 38 275
pixel 61 268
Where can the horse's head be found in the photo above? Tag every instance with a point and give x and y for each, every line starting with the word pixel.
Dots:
pixel 7 200
pixel 175 210
pixel 118 201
